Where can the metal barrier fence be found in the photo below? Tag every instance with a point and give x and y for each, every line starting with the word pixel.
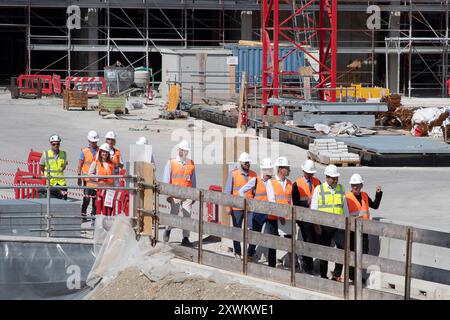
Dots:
pixel 356 259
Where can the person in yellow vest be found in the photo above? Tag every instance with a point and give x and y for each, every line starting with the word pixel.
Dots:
pixel 358 203
pixel 102 166
pixel 279 190
pixel 235 181
pixel 302 191
pixel 329 197
pixel 257 186
pixel 87 157
pixel 180 171
pixel 54 161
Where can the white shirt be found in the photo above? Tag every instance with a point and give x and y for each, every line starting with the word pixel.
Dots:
pixel 315 198
pixel 271 192
pixel 251 185
pixel 286 228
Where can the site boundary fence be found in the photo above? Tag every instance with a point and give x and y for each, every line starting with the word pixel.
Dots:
pixel 406 268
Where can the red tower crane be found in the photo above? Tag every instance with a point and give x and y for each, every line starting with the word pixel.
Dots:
pixel 320 28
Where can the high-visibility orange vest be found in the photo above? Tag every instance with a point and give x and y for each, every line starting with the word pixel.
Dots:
pixel 281 196
pixel 181 175
pixel 356 208
pixel 102 171
pixel 303 187
pixel 88 159
pixel 116 157
pixel 260 190
pixel 239 180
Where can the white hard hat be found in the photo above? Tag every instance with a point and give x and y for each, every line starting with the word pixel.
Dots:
pixel 93 136
pixel 309 167
pixel 54 138
pixel 184 145
pixel 105 147
pixel 142 140
pixel 266 164
pixel 282 162
pixel 331 171
pixel 245 157
pixel 356 179
pixel 110 135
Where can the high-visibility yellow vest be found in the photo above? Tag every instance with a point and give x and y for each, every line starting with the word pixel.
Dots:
pixel 329 202
pixel 56 167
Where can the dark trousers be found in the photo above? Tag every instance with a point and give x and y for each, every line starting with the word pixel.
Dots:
pixel 308 235
pixel 340 237
pixel 55 193
pixel 89 195
pixel 325 240
pixel 237 216
pixel 258 221
pixel 272 228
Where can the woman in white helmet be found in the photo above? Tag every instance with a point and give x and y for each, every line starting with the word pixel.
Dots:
pixel 103 166
pixel 358 203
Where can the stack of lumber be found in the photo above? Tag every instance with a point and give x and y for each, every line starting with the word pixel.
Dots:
pixel 330 151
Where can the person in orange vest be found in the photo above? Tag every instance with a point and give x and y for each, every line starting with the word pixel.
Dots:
pixel 358 203
pixel 279 190
pixel 236 180
pixel 180 172
pixel 87 157
pixel 102 166
pixel 302 191
pixel 116 156
pixel 257 186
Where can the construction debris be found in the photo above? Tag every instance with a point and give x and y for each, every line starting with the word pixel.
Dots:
pixel 176 114
pixel 330 151
pixel 425 120
pixel 343 129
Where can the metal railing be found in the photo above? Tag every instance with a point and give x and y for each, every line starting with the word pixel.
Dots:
pixel 356 259
pixel 48 187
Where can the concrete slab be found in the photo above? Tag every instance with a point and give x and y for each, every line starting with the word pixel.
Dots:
pixel 310 119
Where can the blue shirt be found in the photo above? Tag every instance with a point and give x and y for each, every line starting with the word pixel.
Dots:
pixel 93 152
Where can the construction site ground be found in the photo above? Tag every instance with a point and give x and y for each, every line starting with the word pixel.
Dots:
pixel 411 194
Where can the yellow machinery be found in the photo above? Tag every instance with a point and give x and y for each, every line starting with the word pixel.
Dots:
pixel 358 91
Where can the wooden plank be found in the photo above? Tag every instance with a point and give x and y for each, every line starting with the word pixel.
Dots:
pixel 319 284
pixel 233 80
pixel 431 237
pixel 382 229
pixel 178 222
pixel 146 171
pixel 241 99
pixel 177 191
pixel 321 218
pixel 223 199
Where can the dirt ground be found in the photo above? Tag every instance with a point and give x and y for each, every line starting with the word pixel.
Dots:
pixel 132 284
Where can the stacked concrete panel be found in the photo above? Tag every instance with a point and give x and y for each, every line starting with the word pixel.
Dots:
pixel 330 151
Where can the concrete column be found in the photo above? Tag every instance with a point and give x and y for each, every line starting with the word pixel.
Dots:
pixel 92 34
pixel 393 61
pixel 246 25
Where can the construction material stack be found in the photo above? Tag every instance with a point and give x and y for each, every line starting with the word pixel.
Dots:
pixel 330 151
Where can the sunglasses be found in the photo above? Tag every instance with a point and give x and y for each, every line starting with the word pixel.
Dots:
pixel 55 144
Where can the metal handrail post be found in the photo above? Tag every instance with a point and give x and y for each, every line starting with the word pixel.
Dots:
pixel 48 217
pixel 245 239
pixel 200 228
pixel 293 246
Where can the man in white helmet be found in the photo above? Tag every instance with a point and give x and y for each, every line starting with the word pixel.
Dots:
pixel 87 157
pixel 358 203
pixel 329 197
pixel 142 141
pixel 180 171
pixel 235 181
pixel 54 161
pixel 258 187
pixel 302 191
pixel 279 190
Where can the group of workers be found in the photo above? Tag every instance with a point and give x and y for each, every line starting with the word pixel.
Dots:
pixel 94 160
pixel 272 184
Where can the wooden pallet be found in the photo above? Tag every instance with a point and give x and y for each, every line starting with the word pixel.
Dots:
pixel 340 163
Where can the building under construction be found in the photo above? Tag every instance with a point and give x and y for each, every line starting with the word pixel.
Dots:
pixel 402 45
